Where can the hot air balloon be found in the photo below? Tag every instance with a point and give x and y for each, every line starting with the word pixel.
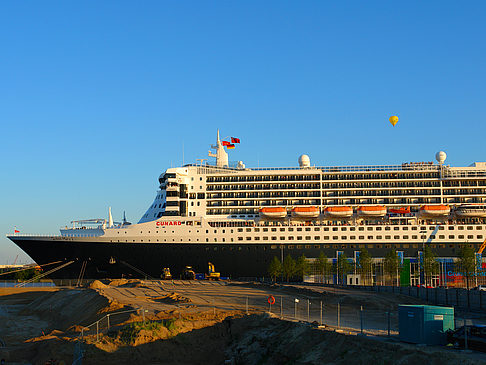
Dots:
pixel 394 120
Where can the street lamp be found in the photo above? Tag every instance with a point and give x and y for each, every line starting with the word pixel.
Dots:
pixel 423 233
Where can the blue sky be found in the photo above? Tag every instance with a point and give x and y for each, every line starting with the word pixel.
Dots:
pixel 98 98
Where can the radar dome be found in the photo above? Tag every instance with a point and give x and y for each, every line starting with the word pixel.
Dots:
pixel 440 157
pixel 304 161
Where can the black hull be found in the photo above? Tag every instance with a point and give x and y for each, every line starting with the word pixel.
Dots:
pixel 232 260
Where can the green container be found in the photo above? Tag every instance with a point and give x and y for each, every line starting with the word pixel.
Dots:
pixel 425 324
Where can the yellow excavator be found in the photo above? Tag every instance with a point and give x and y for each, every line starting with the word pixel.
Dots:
pixel 212 274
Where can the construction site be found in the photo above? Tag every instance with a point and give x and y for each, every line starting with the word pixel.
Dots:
pixel 211 322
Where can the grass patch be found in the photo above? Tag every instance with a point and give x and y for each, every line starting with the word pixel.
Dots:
pixel 129 333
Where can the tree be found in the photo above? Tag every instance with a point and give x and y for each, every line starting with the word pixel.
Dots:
pixel 430 264
pixel 342 267
pixel 322 265
pixel 467 262
pixel 275 268
pixel 302 267
pixel 365 265
pixel 24 275
pixel 289 267
pixel 391 264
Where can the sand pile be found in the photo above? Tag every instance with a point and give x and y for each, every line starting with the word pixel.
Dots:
pixel 171 299
pixel 97 285
pixel 65 308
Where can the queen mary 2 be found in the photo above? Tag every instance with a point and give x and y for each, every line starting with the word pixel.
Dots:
pixel 240 218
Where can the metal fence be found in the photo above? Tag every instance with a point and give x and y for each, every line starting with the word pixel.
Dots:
pixel 335 313
pixel 457 297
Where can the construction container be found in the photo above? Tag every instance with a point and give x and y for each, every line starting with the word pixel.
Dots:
pixel 425 324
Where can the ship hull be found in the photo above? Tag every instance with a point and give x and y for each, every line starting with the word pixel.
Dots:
pixel 131 259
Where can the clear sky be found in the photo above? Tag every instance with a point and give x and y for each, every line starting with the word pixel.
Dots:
pixel 97 98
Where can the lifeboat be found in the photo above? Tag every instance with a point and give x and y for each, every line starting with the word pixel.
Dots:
pixel 401 210
pixel 435 210
pixel 372 211
pixel 472 210
pixel 305 212
pixel 273 212
pixel 338 212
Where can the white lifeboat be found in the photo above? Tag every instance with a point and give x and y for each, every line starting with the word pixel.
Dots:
pixel 338 212
pixel 435 210
pixel 305 212
pixel 273 212
pixel 372 211
pixel 473 210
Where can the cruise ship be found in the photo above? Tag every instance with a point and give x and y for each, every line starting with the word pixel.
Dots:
pixel 240 218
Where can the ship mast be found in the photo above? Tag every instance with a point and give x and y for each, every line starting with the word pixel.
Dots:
pixel 221 155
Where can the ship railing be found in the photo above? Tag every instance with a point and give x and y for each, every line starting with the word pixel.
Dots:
pixel 50 235
pixel 446 172
pixel 208 168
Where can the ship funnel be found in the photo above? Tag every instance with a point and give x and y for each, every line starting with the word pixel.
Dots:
pixel 110 218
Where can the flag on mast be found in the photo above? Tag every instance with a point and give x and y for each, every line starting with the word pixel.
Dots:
pixel 230 146
pixel 235 140
pixel 225 143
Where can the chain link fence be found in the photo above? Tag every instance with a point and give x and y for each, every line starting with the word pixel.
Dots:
pixel 457 297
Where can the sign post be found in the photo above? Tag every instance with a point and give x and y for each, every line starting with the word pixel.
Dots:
pixel 271 301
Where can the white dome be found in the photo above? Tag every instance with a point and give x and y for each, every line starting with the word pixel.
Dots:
pixel 304 161
pixel 440 157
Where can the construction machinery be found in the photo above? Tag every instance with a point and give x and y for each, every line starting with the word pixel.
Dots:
pixel 166 275
pixel 212 274
pixel 482 247
pixel 188 273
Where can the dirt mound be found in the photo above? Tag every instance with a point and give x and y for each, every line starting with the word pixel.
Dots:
pixel 118 282
pixel 75 328
pixel 65 308
pixel 171 299
pixel 256 339
pixel 97 285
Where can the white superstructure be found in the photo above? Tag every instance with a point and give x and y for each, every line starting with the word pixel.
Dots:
pixel 374 206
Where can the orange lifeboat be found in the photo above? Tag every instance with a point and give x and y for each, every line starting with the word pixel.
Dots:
pixel 401 210
pixel 305 212
pixel 372 211
pixel 273 212
pixel 435 210
pixel 338 212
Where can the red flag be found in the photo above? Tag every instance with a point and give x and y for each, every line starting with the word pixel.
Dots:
pixel 225 143
pixel 235 140
pixel 230 146
pixel 16 231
